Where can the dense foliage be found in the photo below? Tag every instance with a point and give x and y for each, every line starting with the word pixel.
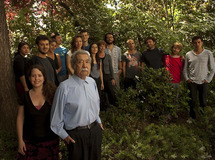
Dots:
pixel 150 123
pixel 168 21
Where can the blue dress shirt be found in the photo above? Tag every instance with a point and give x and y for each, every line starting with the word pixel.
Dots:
pixel 76 103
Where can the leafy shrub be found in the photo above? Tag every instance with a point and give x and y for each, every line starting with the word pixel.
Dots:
pixel 204 126
pixel 154 96
pixel 211 94
pixel 159 98
pixel 138 127
pixel 158 142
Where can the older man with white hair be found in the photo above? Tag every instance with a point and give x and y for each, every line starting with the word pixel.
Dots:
pixel 75 111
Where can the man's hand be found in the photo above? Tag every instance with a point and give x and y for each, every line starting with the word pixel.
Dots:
pixel 113 82
pixel 101 126
pixel 68 140
pixel 189 81
pixel 204 81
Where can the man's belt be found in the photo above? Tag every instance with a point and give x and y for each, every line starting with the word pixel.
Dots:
pixel 85 127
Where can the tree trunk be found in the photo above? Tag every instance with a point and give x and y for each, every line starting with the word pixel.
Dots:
pixel 8 96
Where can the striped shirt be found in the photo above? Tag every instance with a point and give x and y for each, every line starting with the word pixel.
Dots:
pixel 115 54
pixel 196 66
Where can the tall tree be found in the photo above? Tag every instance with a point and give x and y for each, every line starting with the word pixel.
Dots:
pixel 8 101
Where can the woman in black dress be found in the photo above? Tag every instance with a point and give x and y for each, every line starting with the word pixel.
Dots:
pixel 36 139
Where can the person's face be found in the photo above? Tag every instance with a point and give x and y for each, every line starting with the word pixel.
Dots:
pixel 24 50
pixel 83 66
pixel 78 43
pixel 175 50
pixel 150 44
pixel 52 46
pixel 36 78
pixel 197 44
pixel 43 46
pixel 102 48
pixel 94 49
pixel 85 36
pixel 109 39
pixel 131 44
pixel 58 39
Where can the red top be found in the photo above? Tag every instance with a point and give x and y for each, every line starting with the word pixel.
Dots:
pixel 174 66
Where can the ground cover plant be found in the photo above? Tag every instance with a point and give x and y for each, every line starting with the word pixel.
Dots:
pixel 142 127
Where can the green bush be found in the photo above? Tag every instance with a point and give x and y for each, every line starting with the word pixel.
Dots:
pixel 159 142
pixel 158 97
pixel 155 97
pixel 150 123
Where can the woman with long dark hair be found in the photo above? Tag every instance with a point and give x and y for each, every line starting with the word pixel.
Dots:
pixel 20 67
pixel 96 67
pixel 76 44
pixel 54 56
pixel 36 139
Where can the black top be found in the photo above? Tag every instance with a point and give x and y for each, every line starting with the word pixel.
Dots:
pixel 20 67
pixel 153 58
pixel 55 62
pixel 36 122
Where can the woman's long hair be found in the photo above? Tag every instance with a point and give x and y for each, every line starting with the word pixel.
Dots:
pixel 49 87
pixel 20 46
pixel 73 47
pixel 97 56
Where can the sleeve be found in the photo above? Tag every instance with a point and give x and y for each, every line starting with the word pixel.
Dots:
pixel 164 60
pixel 69 53
pixel 212 68
pixel 111 67
pixel 123 58
pixel 143 57
pixel 57 120
pixel 185 73
pixel 98 120
pixel 98 102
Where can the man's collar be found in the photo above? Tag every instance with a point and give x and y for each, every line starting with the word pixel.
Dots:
pixel 79 80
pixel 152 49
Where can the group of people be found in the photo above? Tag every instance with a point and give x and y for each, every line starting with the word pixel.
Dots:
pixel 61 92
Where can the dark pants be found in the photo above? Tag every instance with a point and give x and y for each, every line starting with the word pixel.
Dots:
pixel 87 144
pixel 202 89
pixel 129 82
pixel 109 89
